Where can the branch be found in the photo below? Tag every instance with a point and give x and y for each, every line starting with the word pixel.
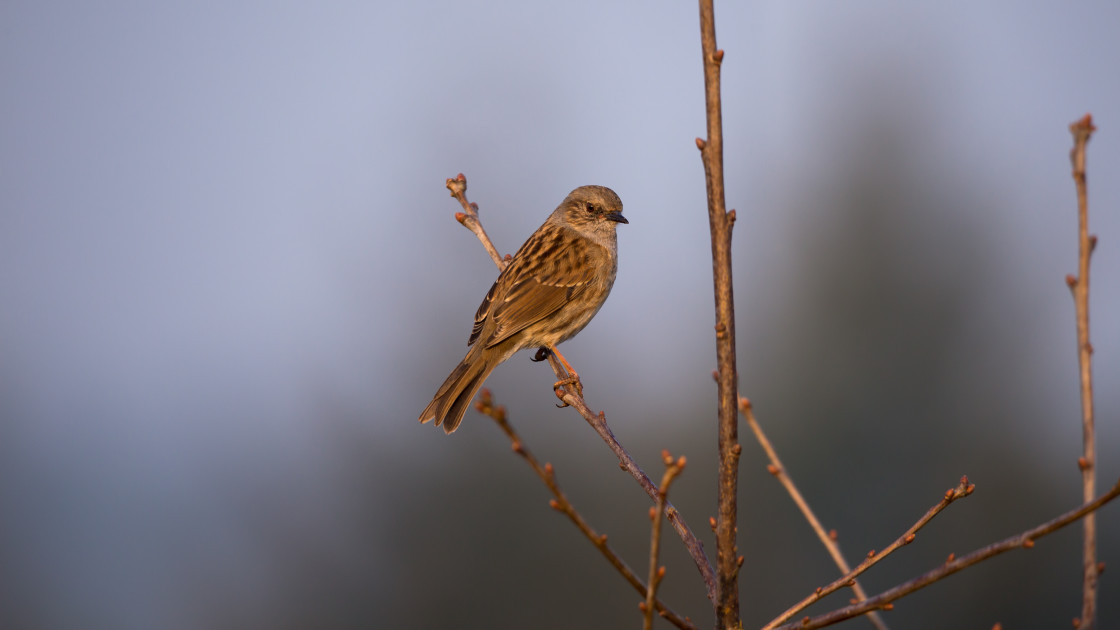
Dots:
pixel 1081 131
pixel 963 489
pixel 627 463
pixel 469 218
pixel 720 222
pixel 672 469
pixel 561 504
pixel 829 541
pixel 954 564
pixel 458 187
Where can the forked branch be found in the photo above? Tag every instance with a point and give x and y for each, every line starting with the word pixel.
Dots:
pixel 1024 540
pixel 963 489
pixel 827 539
pixel 560 503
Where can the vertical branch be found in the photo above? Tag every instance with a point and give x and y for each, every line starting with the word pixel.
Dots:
pixel 1081 131
pixel 720 222
pixel 656 574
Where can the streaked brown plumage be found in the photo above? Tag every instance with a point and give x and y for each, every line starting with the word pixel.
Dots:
pixel 550 290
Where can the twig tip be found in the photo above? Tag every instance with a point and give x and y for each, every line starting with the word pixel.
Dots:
pixel 1083 126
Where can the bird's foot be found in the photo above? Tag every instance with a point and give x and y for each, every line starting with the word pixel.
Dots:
pixel 541 355
pixel 568 385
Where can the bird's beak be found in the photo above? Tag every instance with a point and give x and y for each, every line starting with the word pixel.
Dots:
pixel 616 217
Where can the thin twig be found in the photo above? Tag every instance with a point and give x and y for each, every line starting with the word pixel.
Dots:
pixel 952 565
pixel 963 489
pixel 560 503
pixel 829 541
pixel 469 218
pixel 720 222
pixel 1081 131
pixel 673 467
pixel 458 187
pixel 626 462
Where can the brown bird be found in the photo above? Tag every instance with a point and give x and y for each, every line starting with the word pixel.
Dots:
pixel 547 293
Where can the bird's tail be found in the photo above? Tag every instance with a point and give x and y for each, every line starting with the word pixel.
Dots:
pixel 453 397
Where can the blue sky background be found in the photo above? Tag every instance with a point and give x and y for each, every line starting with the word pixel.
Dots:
pixel 230 281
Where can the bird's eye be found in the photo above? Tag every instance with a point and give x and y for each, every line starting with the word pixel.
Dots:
pixel 591 207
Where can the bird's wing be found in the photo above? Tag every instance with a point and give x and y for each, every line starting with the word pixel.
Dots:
pixel 545 275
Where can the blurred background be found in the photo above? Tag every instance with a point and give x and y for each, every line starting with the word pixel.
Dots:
pixel 230 280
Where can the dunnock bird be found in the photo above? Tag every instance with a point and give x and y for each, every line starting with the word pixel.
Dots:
pixel 547 293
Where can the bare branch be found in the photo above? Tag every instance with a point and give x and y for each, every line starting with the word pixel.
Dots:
pixel 720 222
pixel 1023 540
pixel 599 424
pixel 560 503
pixel 1081 131
pixel 469 218
pixel 458 186
pixel 829 541
pixel 963 489
pixel 673 467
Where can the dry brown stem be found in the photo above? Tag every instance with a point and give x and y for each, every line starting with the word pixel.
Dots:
pixel 963 489
pixel 953 564
pixel 458 187
pixel 599 424
pixel 777 469
pixel 560 503
pixel 1082 130
pixel 673 467
pixel 469 218
pixel 720 222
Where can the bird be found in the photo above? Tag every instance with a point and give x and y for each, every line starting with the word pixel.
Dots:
pixel 549 291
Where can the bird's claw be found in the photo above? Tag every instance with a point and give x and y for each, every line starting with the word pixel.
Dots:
pixel 560 388
pixel 541 355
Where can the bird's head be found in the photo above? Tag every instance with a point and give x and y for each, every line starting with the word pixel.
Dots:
pixel 594 211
